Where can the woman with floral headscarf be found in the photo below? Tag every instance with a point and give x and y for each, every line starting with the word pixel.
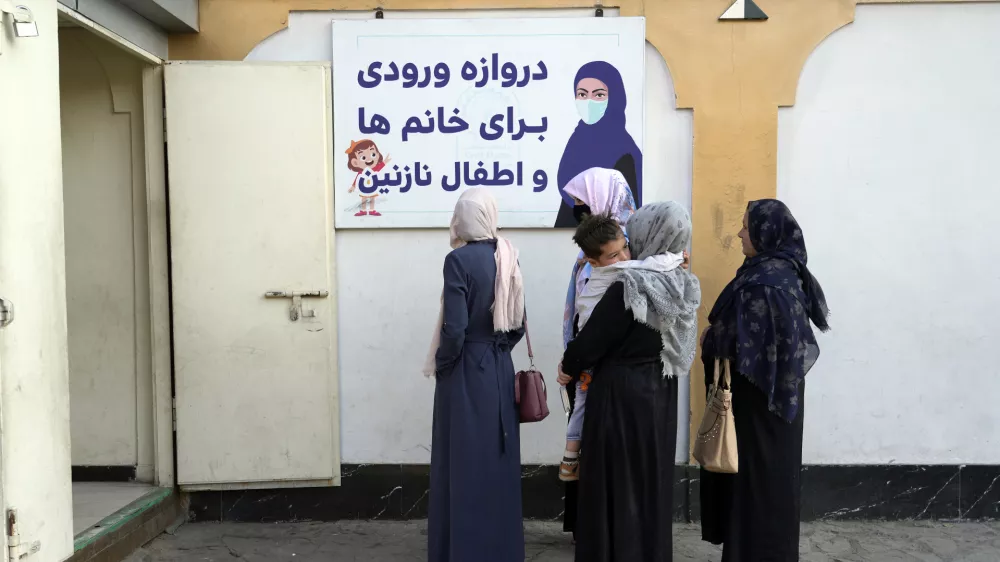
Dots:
pixel 640 337
pixel 761 323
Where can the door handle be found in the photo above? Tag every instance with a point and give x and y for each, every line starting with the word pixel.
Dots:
pixel 295 310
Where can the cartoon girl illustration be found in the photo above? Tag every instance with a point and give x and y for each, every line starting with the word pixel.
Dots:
pixel 364 155
pixel 600 139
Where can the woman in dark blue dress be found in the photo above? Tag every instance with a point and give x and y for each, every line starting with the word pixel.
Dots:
pixel 475 495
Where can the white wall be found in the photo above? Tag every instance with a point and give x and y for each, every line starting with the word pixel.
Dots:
pixel 889 162
pixel 34 391
pixel 107 275
pixel 389 281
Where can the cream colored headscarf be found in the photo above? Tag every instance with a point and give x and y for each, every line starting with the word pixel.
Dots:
pixel 475 219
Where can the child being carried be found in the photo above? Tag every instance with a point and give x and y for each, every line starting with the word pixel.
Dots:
pixel 606 250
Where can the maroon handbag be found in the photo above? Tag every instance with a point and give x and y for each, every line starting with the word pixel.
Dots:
pixel 529 389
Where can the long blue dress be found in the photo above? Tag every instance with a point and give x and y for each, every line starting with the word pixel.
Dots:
pixel 475 495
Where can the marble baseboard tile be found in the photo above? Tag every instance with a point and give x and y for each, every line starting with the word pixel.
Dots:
pixel 395 492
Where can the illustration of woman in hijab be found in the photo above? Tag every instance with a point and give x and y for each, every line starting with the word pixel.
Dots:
pixel 600 139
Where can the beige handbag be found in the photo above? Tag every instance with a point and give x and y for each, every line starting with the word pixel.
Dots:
pixel 715 445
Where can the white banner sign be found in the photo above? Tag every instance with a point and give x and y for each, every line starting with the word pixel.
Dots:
pixel 424 109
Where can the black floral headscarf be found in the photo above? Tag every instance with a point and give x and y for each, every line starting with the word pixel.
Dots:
pixel 761 321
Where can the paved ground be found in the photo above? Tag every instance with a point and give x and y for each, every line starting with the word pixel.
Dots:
pixel 391 541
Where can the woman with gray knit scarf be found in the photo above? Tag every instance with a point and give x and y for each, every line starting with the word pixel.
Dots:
pixel 641 336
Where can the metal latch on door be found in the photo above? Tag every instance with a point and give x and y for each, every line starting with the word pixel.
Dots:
pixel 295 310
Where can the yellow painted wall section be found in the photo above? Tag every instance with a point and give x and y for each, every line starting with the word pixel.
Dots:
pixel 733 74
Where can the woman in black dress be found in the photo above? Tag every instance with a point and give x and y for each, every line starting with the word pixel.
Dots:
pixel 761 323
pixel 640 337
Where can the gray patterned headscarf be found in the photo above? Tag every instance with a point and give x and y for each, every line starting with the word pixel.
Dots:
pixel 665 300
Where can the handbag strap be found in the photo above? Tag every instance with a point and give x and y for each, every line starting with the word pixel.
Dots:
pixel 727 379
pixel 527 338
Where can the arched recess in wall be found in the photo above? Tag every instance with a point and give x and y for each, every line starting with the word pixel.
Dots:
pixel 102 171
pixel 669 135
pixel 888 160
pixel 392 423
pixel 667 165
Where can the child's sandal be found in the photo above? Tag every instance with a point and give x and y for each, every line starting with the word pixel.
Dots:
pixel 569 471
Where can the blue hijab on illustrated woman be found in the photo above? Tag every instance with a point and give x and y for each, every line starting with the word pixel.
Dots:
pixel 761 321
pixel 604 141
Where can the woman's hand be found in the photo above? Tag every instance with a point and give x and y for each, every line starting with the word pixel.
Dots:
pixel 686 264
pixel 563 379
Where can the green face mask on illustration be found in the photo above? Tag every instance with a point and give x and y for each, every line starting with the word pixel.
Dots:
pixel 591 111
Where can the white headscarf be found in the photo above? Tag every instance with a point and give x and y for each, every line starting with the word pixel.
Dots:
pixel 605 191
pixel 474 220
